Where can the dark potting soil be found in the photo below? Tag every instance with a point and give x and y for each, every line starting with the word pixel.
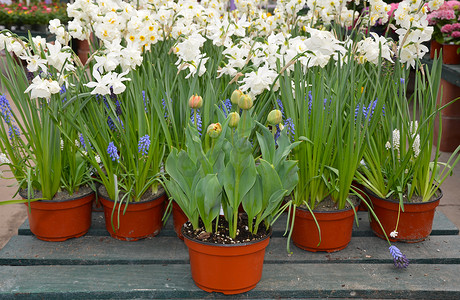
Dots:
pixel 145 197
pixel 416 199
pixel 61 195
pixel 221 236
pixel 329 205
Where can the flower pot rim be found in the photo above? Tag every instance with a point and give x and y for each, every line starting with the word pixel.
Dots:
pixel 437 198
pixel 21 193
pixel 161 192
pixel 269 234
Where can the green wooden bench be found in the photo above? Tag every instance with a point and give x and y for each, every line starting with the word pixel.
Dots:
pixel 97 266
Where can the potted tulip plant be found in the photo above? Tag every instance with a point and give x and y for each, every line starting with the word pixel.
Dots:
pixel 227 247
pixel 401 170
pixel 40 148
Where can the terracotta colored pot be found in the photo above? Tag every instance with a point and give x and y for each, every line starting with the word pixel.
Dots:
pixel 179 219
pixel 335 226
pixel 360 190
pixel 415 222
pixel 435 47
pixel 141 219
pixel 450 55
pixel 56 220
pixel 229 269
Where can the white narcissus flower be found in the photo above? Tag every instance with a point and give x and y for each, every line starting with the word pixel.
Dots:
pixel 258 81
pixel 35 62
pixel 117 82
pixel 57 56
pixel 43 88
pixel 101 85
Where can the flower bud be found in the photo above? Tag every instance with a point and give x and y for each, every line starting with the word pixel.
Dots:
pixel 236 95
pixel 234 119
pixel 214 130
pixel 195 102
pixel 245 102
pixel 275 117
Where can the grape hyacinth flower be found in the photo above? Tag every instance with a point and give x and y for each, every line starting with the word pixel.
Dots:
pixel 281 107
pixel 290 127
pixel 7 116
pixel 226 107
pixel 399 259
pixel 144 144
pixel 197 121
pixel 146 101
pixel 82 141
pixel 112 151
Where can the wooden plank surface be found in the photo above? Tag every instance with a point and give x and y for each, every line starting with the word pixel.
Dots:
pixel 441 226
pixel 27 250
pixel 278 281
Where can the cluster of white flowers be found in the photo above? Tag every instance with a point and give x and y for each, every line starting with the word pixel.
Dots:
pixel 4 159
pixel 248 36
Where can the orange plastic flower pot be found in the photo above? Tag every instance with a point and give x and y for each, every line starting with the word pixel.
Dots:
pixel 229 269
pixel 435 47
pixel 335 227
pixel 415 223
pixel 450 55
pixel 179 219
pixel 141 219
pixel 56 221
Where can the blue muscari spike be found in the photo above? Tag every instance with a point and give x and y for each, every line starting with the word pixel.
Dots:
pixel 164 108
pixel 144 144
pixel 226 107
pixel 290 127
pixel 146 102
pixel 112 151
pixel 277 134
pixel 399 259
pixel 281 107
pixel 198 119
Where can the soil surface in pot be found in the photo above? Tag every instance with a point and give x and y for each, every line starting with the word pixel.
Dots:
pixel 147 196
pixel 60 195
pixel 222 234
pixel 416 199
pixel 329 205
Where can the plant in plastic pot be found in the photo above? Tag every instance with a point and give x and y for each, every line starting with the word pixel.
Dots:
pixel 42 150
pixel 227 247
pixel 401 169
pixel 121 123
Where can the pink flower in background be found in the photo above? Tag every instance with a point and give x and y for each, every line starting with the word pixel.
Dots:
pixel 446 28
pixel 446 14
pixel 431 18
pixel 456 26
pixel 393 7
pixel 455 34
pixel 452 4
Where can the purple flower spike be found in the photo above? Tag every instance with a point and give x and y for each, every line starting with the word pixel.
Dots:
pixel 399 259
pixel 112 151
pixel 144 144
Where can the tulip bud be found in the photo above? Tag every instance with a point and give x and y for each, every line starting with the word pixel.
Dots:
pixel 275 117
pixel 195 102
pixel 214 130
pixel 234 119
pixel 245 102
pixel 236 95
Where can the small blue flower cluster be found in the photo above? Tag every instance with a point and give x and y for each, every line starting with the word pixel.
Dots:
pixel 281 107
pixel 112 151
pixel 164 108
pixel 83 142
pixel 367 112
pixel 198 119
pixel 399 259
pixel 144 144
pixel 146 101
pixel 290 127
pixel 62 91
pixel 226 106
pixel 7 116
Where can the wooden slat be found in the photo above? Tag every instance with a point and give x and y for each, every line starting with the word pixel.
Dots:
pixel 441 226
pixel 278 280
pixel 27 250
